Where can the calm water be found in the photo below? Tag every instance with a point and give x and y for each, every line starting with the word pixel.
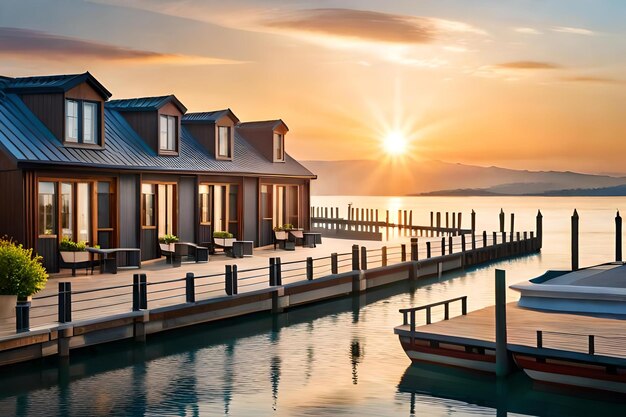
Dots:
pixel 332 359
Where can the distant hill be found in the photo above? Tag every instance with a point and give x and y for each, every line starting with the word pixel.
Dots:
pixel 366 177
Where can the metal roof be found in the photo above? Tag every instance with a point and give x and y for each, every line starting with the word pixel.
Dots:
pixel 52 84
pixel 145 103
pixel 27 141
pixel 209 116
pixel 264 124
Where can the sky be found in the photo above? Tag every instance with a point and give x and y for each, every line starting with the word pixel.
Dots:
pixel 525 84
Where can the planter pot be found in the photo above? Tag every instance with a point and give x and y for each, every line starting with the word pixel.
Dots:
pixel 167 247
pixel 74 256
pixel 224 242
pixel 7 306
pixel 281 235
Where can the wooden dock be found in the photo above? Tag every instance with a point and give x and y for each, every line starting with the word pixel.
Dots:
pixel 566 332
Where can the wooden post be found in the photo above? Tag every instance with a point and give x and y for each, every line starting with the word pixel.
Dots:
pixel 334 263
pixel 501 221
pixel 190 288
pixel 618 237
pixel 438 222
pixel 495 238
pixel 383 256
pixel 443 246
pixel 447 219
pixel 403 252
pixel 484 238
pixel 405 220
pixel 463 242
pixel 414 249
pixel 450 245
pixel 539 228
pixel 473 241
pixel 386 218
pixel 428 254
pixel 453 220
pixel 460 217
pixel 363 258
pixel 355 257
pixel 411 218
pixel 309 268
pixel 512 225
pixel 575 241
pixel 503 364
pixel 473 221
pixel 431 223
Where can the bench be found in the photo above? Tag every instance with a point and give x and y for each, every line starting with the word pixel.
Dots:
pixel 242 248
pixel 199 253
pixel 108 258
pixel 311 239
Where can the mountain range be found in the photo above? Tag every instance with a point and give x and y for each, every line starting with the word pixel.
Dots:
pixel 368 177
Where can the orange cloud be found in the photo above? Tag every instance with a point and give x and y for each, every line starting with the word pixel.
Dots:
pixel 530 65
pixel 29 44
pixel 369 25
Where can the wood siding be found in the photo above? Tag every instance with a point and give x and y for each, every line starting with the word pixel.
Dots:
pixel 251 209
pixel 187 209
pixel 12 213
pixel 129 210
pixel 50 109
pixel 146 124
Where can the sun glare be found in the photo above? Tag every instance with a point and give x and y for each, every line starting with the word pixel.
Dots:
pixel 395 143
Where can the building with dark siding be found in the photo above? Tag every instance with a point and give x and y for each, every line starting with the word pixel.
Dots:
pixel 121 173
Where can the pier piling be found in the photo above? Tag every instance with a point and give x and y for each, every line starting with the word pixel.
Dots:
pixel 575 241
pixel 501 221
pixel 618 237
pixel 539 227
pixel 503 360
pixel 473 221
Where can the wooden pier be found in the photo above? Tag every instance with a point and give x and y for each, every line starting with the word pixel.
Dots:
pixel 368 224
pixel 71 319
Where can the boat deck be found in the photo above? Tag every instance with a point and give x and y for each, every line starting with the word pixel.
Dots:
pixel 566 332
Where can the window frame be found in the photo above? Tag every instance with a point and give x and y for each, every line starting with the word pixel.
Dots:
pixel 79 141
pixel 175 135
pixel 278 138
pixel 229 155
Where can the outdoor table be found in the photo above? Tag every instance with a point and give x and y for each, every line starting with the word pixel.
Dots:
pixel 108 259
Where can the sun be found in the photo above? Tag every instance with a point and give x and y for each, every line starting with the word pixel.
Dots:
pixel 395 143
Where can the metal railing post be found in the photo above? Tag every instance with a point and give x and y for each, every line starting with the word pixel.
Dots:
pixel 279 272
pixel 65 302
pixel 143 291
pixel 135 293
pixel 235 278
pixel 334 263
pixel 309 268
pixel 190 288
pixel 228 281
pixel 272 272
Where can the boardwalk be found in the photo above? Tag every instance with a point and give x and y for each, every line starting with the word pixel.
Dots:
pixel 567 332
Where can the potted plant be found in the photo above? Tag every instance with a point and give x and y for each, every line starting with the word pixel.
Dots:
pixel 166 242
pixel 73 253
pixel 223 239
pixel 21 276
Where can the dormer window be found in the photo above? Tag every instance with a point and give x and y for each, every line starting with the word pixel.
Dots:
pixel 279 147
pixel 81 122
pixel 168 133
pixel 224 142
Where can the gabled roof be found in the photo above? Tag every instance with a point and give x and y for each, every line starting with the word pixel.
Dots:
pixel 52 84
pixel 209 116
pixel 145 103
pixel 27 141
pixel 265 124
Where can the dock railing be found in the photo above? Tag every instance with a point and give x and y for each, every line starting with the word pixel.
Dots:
pixel 583 343
pixel 409 314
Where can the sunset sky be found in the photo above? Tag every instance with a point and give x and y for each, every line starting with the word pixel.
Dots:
pixel 532 84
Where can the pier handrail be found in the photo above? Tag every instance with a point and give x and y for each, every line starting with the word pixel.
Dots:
pixel 410 312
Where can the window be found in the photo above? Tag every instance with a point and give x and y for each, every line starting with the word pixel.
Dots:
pixel 81 122
pixel 106 213
pixel 71 121
pixel 66 211
pixel 147 206
pixel 167 129
pixel 165 209
pixel 90 118
pixel 47 208
pixel 223 142
pixel 279 147
pixel 205 201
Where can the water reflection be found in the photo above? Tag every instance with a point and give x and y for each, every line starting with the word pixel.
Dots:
pixel 356 357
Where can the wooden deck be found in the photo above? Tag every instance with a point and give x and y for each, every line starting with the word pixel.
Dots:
pixel 568 332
